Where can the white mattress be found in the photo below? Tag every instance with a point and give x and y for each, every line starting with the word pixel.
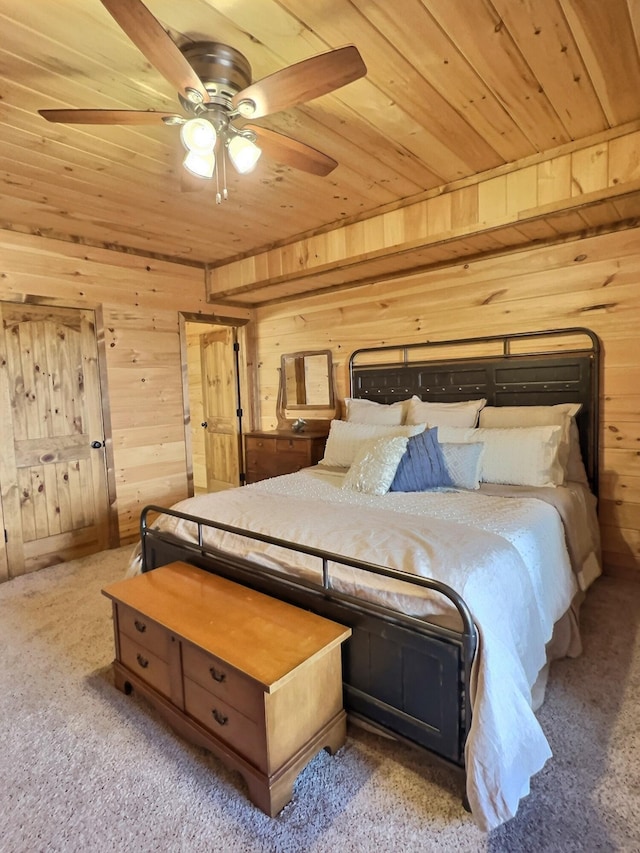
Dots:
pixel 491 549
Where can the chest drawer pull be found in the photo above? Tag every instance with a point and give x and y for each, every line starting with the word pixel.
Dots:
pixel 144 663
pixel 219 717
pixel 217 675
pixel 140 626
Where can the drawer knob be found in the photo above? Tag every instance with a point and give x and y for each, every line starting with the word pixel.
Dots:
pixel 220 718
pixel 140 626
pixel 217 675
pixel 144 663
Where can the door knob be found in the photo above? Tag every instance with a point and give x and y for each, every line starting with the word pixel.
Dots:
pixel 204 424
pixel 97 444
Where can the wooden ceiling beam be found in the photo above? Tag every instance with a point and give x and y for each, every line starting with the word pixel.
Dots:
pixel 592 175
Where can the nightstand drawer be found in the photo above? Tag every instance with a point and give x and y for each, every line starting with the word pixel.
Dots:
pixel 270 454
pixel 292 445
pixel 145 664
pixel 263 445
pixel 143 631
pixel 226 723
pixel 223 681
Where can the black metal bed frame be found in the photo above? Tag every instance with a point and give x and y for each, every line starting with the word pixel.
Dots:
pixel 503 377
pixel 407 676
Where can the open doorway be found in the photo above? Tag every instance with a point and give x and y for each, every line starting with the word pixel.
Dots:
pixel 215 405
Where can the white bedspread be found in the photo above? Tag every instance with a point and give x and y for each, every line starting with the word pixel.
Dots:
pixel 506 556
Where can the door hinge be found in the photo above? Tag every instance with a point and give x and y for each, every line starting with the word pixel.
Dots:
pixel 236 346
pixel 6 538
pixel 238 413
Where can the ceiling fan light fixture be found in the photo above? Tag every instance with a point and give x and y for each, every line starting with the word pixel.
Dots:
pixel 200 165
pixel 198 136
pixel 243 153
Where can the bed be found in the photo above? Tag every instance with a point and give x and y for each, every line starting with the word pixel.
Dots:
pixel 422 576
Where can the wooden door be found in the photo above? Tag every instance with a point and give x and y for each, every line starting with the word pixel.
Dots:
pixel 221 407
pixel 54 487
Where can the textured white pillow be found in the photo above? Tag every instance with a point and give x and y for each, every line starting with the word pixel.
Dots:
pixel 345 439
pixel 522 456
pixel 463 414
pixel 562 415
pixel 464 463
pixel 375 465
pixel 370 412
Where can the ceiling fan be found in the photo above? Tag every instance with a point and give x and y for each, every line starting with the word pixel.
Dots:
pixel 216 91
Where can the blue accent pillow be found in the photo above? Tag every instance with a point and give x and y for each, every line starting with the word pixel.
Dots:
pixel 423 466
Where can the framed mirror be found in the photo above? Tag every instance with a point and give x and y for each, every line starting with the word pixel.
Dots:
pixel 306 387
pixel 307 380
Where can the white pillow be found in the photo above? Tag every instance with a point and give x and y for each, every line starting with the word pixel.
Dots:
pixel 345 438
pixel 463 414
pixel 522 456
pixel 375 465
pixel 464 463
pixel 370 412
pixel 527 416
pixel 561 415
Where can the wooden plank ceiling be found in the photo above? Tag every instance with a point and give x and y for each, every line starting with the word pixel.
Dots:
pixel 454 89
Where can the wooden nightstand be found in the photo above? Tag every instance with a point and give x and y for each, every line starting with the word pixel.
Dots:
pixel 251 678
pixel 275 452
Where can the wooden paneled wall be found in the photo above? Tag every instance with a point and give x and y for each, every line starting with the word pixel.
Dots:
pixel 581 186
pixel 139 300
pixel 594 282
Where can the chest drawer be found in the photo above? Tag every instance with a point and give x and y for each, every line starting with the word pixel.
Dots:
pixel 224 682
pixel 144 663
pixel 226 722
pixel 143 631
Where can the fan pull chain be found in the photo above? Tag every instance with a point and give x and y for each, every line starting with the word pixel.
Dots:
pixel 225 194
pixel 218 196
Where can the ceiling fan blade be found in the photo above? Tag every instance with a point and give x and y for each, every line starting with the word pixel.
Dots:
pixel 149 36
pixel 302 82
pixel 107 116
pixel 291 152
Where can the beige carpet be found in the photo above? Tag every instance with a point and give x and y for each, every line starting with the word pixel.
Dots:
pixel 85 768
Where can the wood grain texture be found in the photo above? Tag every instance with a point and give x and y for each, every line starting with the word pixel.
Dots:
pixel 140 302
pixel 499 82
pixel 479 216
pixel 53 412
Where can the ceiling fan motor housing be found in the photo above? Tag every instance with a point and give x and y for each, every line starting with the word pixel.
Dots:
pixel 224 71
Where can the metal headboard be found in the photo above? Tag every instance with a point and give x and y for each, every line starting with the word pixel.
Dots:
pixel 521 369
